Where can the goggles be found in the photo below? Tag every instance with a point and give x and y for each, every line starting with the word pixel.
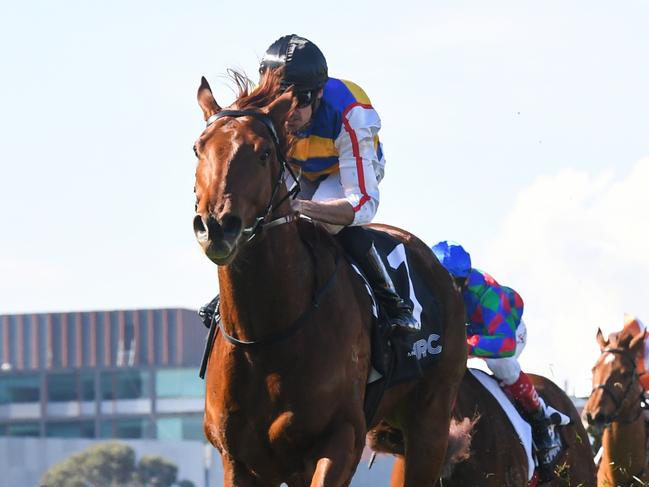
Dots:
pixel 304 98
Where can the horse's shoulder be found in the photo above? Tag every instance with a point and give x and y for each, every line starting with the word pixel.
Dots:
pixel 545 385
pixel 316 236
pixel 553 394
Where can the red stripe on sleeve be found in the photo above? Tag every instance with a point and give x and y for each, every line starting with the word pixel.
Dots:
pixel 357 154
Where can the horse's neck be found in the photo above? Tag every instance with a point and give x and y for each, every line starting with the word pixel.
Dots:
pixel 624 449
pixel 268 284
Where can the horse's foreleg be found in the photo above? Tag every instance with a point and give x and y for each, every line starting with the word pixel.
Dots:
pixel 398 472
pixel 337 457
pixel 298 480
pixel 236 475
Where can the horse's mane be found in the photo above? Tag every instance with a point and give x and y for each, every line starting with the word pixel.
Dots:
pixel 252 96
pixel 257 97
pixel 619 339
pixel 622 337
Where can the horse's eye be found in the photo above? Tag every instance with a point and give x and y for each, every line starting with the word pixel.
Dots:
pixel 265 155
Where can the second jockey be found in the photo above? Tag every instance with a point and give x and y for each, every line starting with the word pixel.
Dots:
pixel 496 332
pixel 339 156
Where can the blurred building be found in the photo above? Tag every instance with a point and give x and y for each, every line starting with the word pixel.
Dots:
pixel 108 374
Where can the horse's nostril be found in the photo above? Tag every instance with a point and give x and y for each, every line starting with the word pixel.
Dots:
pixel 231 225
pixel 209 230
pixel 200 229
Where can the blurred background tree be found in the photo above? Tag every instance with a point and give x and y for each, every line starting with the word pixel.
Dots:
pixel 113 465
pixel 153 471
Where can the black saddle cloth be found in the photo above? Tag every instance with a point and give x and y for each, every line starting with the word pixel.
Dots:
pixel 401 357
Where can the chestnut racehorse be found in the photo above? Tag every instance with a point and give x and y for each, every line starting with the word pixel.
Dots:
pixel 495 456
pixel 287 373
pixel 614 408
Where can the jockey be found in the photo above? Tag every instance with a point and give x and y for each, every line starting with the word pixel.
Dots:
pixel 340 159
pixel 496 332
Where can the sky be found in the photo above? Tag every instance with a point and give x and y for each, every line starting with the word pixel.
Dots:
pixel 518 128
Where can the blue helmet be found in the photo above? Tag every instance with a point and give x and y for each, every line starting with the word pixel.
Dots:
pixel 453 256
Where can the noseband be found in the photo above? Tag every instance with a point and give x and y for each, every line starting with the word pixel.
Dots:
pixel 260 221
pixel 608 390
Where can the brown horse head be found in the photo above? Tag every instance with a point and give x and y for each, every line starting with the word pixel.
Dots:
pixel 240 165
pixel 616 387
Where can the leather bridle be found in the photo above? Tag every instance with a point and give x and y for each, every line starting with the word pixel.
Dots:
pixel 619 402
pixel 261 221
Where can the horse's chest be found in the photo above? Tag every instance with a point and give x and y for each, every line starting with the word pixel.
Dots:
pixel 272 412
pixel 267 440
pixel 280 410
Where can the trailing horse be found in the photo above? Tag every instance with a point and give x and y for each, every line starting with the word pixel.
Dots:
pixel 286 377
pixel 615 410
pixel 486 449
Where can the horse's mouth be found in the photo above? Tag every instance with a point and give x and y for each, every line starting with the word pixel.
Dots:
pixel 221 253
pixel 596 428
pixel 218 241
pixel 596 423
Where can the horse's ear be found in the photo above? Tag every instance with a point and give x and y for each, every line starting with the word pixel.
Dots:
pixel 600 339
pixel 206 99
pixel 279 109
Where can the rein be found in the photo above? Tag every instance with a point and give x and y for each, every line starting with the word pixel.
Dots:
pixel 260 222
pixel 619 403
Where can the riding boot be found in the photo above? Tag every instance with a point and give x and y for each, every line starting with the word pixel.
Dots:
pixel 547 442
pixel 543 419
pixel 210 311
pixel 399 312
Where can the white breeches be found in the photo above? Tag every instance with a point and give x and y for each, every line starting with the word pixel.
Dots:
pixel 508 369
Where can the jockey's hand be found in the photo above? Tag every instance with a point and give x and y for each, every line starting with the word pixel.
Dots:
pixel 296 205
pixel 334 212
